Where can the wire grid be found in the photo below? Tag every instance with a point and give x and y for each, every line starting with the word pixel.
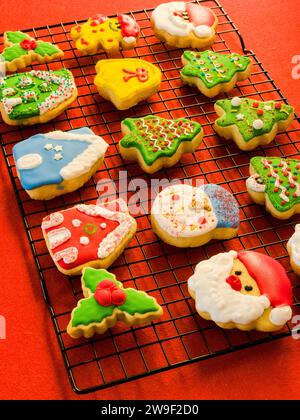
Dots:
pixel 181 336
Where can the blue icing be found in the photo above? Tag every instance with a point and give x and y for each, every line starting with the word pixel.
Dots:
pixel 224 205
pixel 48 172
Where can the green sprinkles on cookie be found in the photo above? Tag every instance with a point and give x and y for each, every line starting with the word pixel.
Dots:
pixel 213 68
pixel 157 137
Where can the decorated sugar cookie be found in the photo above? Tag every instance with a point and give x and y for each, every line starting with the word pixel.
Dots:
pixel 127 81
pixel 108 34
pixel 251 123
pixel 245 290
pixel 293 247
pixel 88 235
pixel 59 162
pixel 185 216
pixel 184 25
pixel 275 183
pixel 155 142
pixel 36 97
pixel 21 50
pixel 213 72
pixel 106 302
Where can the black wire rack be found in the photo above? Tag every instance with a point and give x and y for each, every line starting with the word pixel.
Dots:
pixel 181 336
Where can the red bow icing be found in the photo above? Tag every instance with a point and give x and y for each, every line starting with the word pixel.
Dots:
pixel 28 44
pixel 108 293
pixel 140 73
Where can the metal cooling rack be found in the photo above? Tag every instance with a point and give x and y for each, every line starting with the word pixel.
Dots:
pixel 181 336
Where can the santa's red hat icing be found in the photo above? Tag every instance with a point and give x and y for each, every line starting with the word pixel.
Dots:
pixel 129 28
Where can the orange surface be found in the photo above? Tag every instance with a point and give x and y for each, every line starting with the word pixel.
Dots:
pixel 30 362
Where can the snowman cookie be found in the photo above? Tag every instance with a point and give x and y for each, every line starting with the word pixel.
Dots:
pixel 58 162
pixel 185 216
pixel 245 290
pixel 88 235
pixel 106 302
pixel 184 25
pixel 103 33
pixel 127 81
pixel 293 247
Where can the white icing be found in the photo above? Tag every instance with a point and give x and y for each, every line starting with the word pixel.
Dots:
pixel 240 117
pixel 215 296
pixel 280 315
pixel 29 161
pixel 236 101
pixel 203 31
pixel 258 124
pixel 10 103
pixel 267 108
pixel 58 156
pixel 76 222
pixel 253 185
pixel 103 225
pixel 58 148
pixel 8 91
pixel 68 255
pixel 55 219
pixel 294 245
pixel 191 214
pixel 48 146
pixel 84 240
pixel 57 237
pixel 129 39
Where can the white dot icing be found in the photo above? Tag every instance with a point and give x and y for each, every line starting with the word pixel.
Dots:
pixel 103 225
pixel 258 124
pixel 84 240
pixel 236 101
pixel 76 222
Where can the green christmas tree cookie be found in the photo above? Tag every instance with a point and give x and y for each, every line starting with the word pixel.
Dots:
pixel 275 182
pixel 21 50
pixel 251 123
pixel 156 142
pixel 213 72
pixel 106 302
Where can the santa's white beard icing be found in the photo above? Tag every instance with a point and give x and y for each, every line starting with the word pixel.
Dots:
pixel 216 297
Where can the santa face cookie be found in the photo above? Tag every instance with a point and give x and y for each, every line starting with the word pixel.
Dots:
pixel 245 290
pixel 213 72
pixel 127 81
pixel 293 247
pixel 156 142
pixel 184 25
pixel 251 123
pixel 185 216
pixel 57 163
pixel 108 34
pixel 36 97
pixel 88 235
pixel 21 50
pixel 275 183
pixel 106 302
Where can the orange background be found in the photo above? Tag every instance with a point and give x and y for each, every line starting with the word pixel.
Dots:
pixel 30 362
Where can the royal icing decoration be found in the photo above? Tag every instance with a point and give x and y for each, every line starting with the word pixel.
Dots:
pixel 46 159
pixel 109 34
pixel 278 178
pixel 21 50
pixel 107 299
pixel 88 242
pixel 184 211
pixel 156 137
pixel 293 246
pixel 29 100
pixel 241 296
pixel 182 19
pixel 214 68
pixel 252 118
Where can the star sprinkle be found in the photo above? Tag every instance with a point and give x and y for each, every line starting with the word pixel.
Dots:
pixel 240 117
pixel 267 108
pixel 48 146
pixel 58 156
pixel 58 148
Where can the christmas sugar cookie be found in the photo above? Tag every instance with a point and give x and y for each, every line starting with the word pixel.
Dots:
pixel 213 72
pixel 293 247
pixel 251 123
pixel 184 25
pixel 127 81
pixel 245 290
pixel 36 97
pixel 108 34
pixel 59 162
pixel 21 50
pixel 88 235
pixel 275 183
pixel 155 142
pixel 185 216
pixel 106 302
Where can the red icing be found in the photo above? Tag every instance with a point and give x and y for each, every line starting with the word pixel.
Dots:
pixel 270 277
pixel 278 105
pixel 200 15
pixel 108 293
pixel 141 74
pixel 103 297
pixel 84 42
pixel 107 284
pixel 129 26
pixel 28 44
pixel 98 19
pixel 118 297
pixel 234 282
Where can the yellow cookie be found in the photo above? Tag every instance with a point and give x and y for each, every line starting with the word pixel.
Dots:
pixel 108 34
pixel 125 82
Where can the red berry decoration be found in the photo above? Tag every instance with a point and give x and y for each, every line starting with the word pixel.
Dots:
pixel 118 297
pixel 28 44
pixel 255 104
pixel 107 284
pixel 103 297
pixel 278 105
pixel 260 112
pixel 108 293
pixel 234 282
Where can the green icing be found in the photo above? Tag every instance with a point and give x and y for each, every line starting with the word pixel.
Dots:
pixel 213 68
pixel 28 109
pixel 92 277
pixel 45 48
pixel 245 114
pixel 89 311
pixel 16 37
pixel 281 178
pixel 13 52
pixel 157 137
pixel 138 302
